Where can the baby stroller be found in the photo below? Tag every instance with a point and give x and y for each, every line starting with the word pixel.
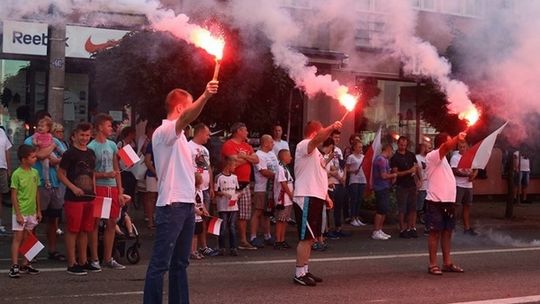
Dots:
pixel 124 245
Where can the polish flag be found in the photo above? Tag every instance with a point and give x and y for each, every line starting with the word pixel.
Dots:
pixel 102 207
pixel 214 225
pixel 128 156
pixel 369 157
pixel 30 247
pixel 478 155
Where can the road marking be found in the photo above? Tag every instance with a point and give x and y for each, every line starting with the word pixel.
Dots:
pixel 71 296
pixel 528 299
pixel 334 259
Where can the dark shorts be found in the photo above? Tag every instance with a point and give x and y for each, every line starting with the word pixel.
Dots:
pixel 198 228
pixel 4 181
pixel 382 201
pixel 406 199
pixel 440 216
pixel 522 178
pixel 308 212
pixel 51 202
pixel 464 196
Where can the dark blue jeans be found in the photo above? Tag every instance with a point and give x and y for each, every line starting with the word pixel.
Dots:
pixel 356 193
pixel 228 225
pixel 175 225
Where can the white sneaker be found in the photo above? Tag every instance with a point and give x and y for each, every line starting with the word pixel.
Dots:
pixel 377 235
pixel 59 232
pixel 95 264
pixel 360 223
pixel 113 264
pixel 2 229
pixel 355 223
pixel 385 235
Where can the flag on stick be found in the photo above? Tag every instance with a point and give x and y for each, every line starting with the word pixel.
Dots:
pixel 214 225
pixel 372 152
pixel 478 155
pixel 102 207
pixel 128 156
pixel 30 247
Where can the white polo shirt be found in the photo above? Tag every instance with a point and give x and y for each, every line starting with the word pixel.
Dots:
pixel 174 165
pixel 280 145
pixel 311 178
pixel 441 181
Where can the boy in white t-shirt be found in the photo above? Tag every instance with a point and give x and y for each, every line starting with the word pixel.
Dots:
pixel 464 187
pixel 226 190
pixel 283 196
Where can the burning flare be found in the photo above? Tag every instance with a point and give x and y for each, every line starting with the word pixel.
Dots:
pixel 204 39
pixel 471 116
pixel 348 101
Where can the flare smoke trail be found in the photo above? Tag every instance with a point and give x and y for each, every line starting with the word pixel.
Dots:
pixel 419 56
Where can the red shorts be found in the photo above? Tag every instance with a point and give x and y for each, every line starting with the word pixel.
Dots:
pixel 112 192
pixel 79 216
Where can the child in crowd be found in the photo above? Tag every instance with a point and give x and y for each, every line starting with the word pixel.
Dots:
pixel 283 196
pixel 125 224
pixel 200 211
pixel 77 173
pixel 108 184
pixel 43 139
pixel 26 210
pixel 226 187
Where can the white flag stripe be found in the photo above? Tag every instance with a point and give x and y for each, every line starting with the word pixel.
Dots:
pixel 483 153
pixel 106 207
pixel 31 254
pixel 131 154
pixel 216 228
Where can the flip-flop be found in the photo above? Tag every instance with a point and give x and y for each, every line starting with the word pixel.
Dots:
pixel 434 270
pixel 452 268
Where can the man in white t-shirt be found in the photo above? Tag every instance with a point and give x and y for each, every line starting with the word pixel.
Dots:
pixel 464 187
pixel 310 195
pixel 440 205
pixel 279 144
pixel 264 178
pixel 175 204
pixel 201 161
pixel 5 145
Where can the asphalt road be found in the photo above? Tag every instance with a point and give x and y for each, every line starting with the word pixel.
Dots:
pixel 500 263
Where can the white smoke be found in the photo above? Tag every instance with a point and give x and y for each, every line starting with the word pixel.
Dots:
pixel 420 57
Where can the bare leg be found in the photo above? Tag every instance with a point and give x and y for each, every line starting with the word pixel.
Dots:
pixel 433 244
pixel 15 244
pixel 52 226
pixel 303 252
pixel 93 240
pixel 257 214
pixel 402 221
pixel 70 239
pixel 446 237
pixel 411 220
pixel 466 216
pixel 108 240
pixel 82 240
pixel 242 229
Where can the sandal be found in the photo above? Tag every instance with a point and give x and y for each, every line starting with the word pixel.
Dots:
pixel 435 270
pixel 57 256
pixel 452 268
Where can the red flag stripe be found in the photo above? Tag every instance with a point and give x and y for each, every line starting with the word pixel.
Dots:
pixel 128 155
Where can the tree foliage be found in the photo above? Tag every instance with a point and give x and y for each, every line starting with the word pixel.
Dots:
pixel 146 65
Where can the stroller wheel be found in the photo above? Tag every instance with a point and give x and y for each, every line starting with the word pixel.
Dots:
pixel 132 255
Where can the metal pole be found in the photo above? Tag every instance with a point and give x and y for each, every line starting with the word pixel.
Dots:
pixel 57 69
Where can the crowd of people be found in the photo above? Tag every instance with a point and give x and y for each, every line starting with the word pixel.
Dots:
pixel 184 191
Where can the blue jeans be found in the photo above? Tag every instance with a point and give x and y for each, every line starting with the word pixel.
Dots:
pixel 228 225
pixel 356 192
pixel 175 225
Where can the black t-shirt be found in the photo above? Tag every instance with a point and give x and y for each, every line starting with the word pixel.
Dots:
pixel 404 162
pixel 79 166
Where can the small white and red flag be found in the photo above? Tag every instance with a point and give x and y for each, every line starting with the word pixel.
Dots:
pixel 478 155
pixel 214 225
pixel 30 247
pixel 102 207
pixel 372 152
pixel 128 156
